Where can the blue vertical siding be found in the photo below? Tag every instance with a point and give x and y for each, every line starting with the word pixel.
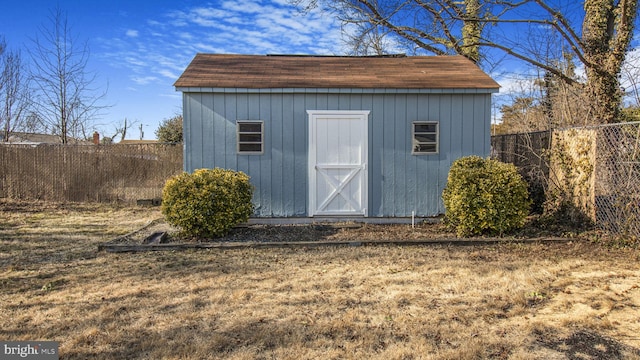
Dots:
pixel 186 133
pixel 389 180
pixel 228 122
pixel 287 174
pixel 402 146
pixel 415 164
pixel 196 119
pixel 208 131
pixel 447 152
pixel 218 138
pixel 377 180
pixel 399 182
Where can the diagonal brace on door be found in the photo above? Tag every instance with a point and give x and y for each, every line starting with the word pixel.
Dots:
pixel 339 186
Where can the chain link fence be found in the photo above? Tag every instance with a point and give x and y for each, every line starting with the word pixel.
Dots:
pixel 617 178
pixel 597 168
pixel 79 173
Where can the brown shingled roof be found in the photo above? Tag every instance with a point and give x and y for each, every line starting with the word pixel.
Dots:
pixel 262 72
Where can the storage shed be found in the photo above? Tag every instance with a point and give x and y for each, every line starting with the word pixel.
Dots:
pixel 336 135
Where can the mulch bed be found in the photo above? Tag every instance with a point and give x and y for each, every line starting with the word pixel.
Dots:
pixel 158 235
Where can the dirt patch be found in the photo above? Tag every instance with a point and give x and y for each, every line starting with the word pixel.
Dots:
pixel 347 231
pixel 301 232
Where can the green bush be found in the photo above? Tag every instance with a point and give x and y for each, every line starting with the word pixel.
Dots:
pixel 485 196
pixel 208 202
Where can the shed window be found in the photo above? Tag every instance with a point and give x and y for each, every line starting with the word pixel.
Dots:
pixel 425 137
pixel 250 137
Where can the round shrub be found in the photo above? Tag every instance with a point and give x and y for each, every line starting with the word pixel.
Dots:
pixel 208 202
pixel 485 196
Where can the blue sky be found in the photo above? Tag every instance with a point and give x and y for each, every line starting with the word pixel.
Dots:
pixel 139 48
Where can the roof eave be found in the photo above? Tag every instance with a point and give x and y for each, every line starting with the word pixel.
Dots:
pixel 213 89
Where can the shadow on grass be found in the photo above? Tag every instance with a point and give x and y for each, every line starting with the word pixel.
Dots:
pixel 588 345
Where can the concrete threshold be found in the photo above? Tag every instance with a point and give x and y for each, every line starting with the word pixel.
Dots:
pixel 341 219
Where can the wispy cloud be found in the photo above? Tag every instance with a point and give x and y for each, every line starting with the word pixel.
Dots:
pixel 259 27
pixel 161 49
pixel 144 80
pixel 134 61
pixel 132 33
pixel 174 95
pixel 169 74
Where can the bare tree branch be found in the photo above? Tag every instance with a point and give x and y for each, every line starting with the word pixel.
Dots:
pixel 14 93
pixel 67 99
pixel 599 37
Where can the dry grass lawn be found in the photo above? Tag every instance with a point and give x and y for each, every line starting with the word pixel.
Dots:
pixel 561 301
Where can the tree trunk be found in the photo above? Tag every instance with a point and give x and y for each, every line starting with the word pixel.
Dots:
pixel 471 31
pixel 607 32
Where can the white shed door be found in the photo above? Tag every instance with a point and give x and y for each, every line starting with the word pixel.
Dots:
pixel 338 162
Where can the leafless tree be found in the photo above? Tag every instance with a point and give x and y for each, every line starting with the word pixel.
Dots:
pixel 14 93
pixel 630 78
pixel 67 100
pixel 533 31
pixel 369 41
pixel 122 128
pixel 3 46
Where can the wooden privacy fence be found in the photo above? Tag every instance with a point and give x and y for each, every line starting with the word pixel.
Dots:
pixel 529 153
pixel 597 168
pixel 79 173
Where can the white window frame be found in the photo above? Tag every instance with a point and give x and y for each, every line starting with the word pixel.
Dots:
pixel 414 142
pixel 239 143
